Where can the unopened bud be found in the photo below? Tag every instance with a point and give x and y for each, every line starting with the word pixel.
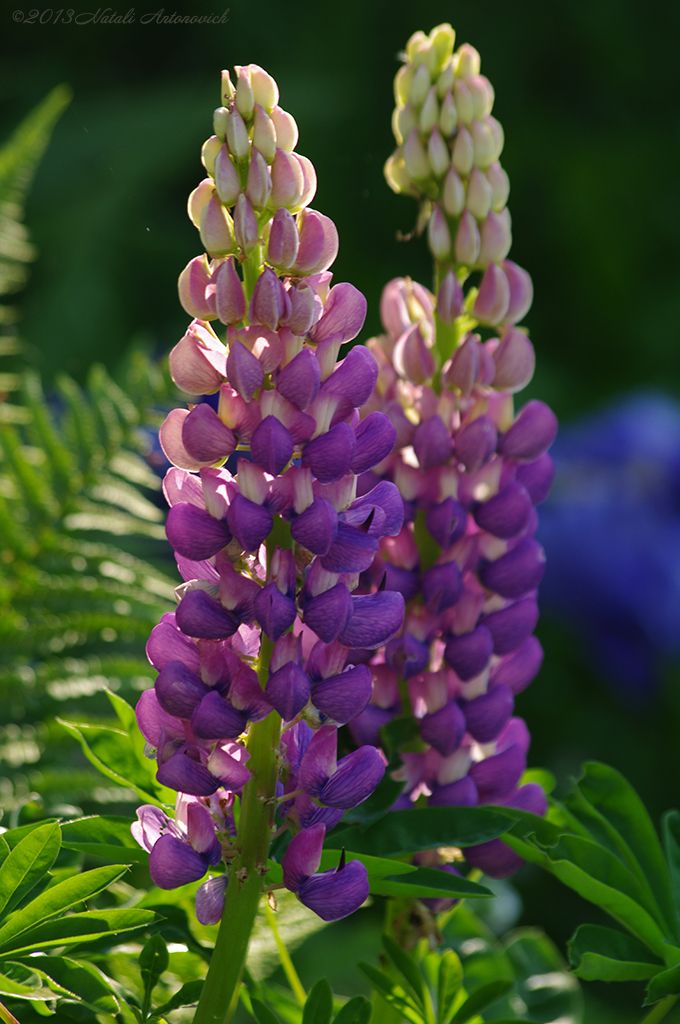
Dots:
pixel 500 186
pixel 415 158
pixel 469 61
pixel 449 298
pixel 402 84
pixel 448 116
pixel 264 134
pixel 217 229
pixel 420 86
pixel 521 292
pixel 305 310
pixel 443 39
pixel 404 120
pixel 265 89
pixel 245 225
pixel 429 114
pixel 453 193
pixel 496 238
pixel 192 287
pixel 259 186
pixel 464 104
pixel 237 135
pixel 479 192
pixel 483 142
pixel 286 129
pixel 220 121
pixel 318 243
pixel 198 200
pixel 268 303
pixel 514 361
pixel 284 240
pixel 463 154
pixel 396 175
pixel 209 151
pixel 227 181
pixel 493 297
pixel 482 93
pixel 437 154
pixel 445 80
pixel 467 240
pixel 463 369
pixel 245 100
pixel 227 88
pixel 438 235
pixel 230 301
pixel 287 181
pixel 309 177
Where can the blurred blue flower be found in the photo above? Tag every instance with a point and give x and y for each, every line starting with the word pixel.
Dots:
pixel 611 529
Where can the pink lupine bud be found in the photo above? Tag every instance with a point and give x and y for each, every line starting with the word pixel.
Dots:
pixel 429 115
pixel 268 302
pixel 531 434
pixel 396 175
pixel 487 138
pixel 438 235
pixel 482 95
pixel 198 200
pixel 464 102
pixel 227 88
pixel 446 79
pixel 265 89
pixel 415 158
pixel 467 240
pixel 236 135
pixel 453 193
pixel 220 120
pixel 476 442
pixel 463 154
pixel 493 297
pixel 521 292
pixel 412 358
pixel 227 181
pixel 217 229
pixel 479 194
pixel 500 186
pixel 230 301
pixel 192 287
pixel 170 437
pixel 309 176
pixel 515 361
pixel 443 39
pixel 288 182
pixel 438 154
pixel 343 316
pixel 449 298
pixel 404 120
pixel 448 116
pixel 259 186
pixel 463 369
pixel 469 61
pixel 496 238
pixel 305 310
pixel 283 243
pixel 245 100
pixel 244 370
pixel 420 86
pixel 264 134
pixel 286 129
pixel 245 224
pixel 198 362
pixel 393 308
pixel 318 243
pixel 209 151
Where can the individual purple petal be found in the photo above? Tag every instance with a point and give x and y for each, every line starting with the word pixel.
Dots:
pixel 469 653
pixel 375 437
pixel 282 247
pixel 271 445
pixel 384 496
pixel 299 380
pixel 532 433
pixel 343 316
pixel 462 371
pixel 355 377
pixel 407 655
pixel 432 442
pixel 333 895
pixel 268 302
pixel 518 669
pixel 497 775
pixel 521 291
pixel 517 572
pixel 514 361
pixel 198 362
pixel 303 856
pixel 352 550
pixel 493 298
pixel 329 456
pixel 194 533
pixel 315 528
pixel 288 690
pixel 201 832
pixel 318 243
pixel 487 715
pixel 308 813
pixel 150 825
pixel 167 643
pixel 507 513
pixel 494 858
pixel 343 696
pixel 215 718
pixel 186 775
pixel 412 358
pixel 210 900
pixel 444 729
pixel 462 793
pixel 155 723
pixel 170 439
pixel 442 586
pixel 178 690
pixel 446 521
pixel 230 301
pixel 354 780
pixel 172 863
pixel 244 370
pixel 305 309
pixel 319 760
pixel 205 436
pixel 375 619
pixel 509 627
pixel 232 773
pixel 475 443
pixel 537 477
pixel 192 287
pixel 328 613
pixel 250 523
pixel 201 616
pixel 274 611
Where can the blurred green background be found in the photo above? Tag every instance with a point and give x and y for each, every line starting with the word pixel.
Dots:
pixel 587 94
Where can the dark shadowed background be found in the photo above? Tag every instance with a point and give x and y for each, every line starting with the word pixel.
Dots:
pixel 587 93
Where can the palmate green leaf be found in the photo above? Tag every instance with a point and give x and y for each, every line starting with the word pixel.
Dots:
pixel 76 928
pixel 598 953
pixel 27 865
pixel 392 993
pixel 480 999
pixel 449 982
pixel 397 878
pixel 57 900
pixel 409 831
pixel 19 981
pixel 77 980
pixel 407 969
pixel 107 839
pixel 319 1005
pixel 355 1011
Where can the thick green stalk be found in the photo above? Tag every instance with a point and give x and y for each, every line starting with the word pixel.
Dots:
pixel 220 991
pixel 6 1016
pixel 661 1010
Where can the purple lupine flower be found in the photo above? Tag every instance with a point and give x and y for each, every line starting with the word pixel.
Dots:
pixel 269 528
pixel 330 894
pixel 470 468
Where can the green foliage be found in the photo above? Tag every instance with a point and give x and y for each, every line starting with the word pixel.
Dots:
pixel 320 1007
pixel 606 849
pixel 19 158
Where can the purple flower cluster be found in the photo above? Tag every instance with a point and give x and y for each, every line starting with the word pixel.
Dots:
pixel 272 552
pixel 469 468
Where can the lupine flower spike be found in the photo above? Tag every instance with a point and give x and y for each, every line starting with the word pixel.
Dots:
pixel 469 467
pixel 268 529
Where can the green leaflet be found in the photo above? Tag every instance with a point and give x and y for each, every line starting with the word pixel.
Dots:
pixel 319 1005
pixel 76 928
pixel 27 865
pixel 598 953
pixel 107 839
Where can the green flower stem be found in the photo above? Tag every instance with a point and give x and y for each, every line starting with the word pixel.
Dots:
pixel 287 964
pixel 251 271
pixel 220 991
pixel 6 1016
pixel 661 1010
